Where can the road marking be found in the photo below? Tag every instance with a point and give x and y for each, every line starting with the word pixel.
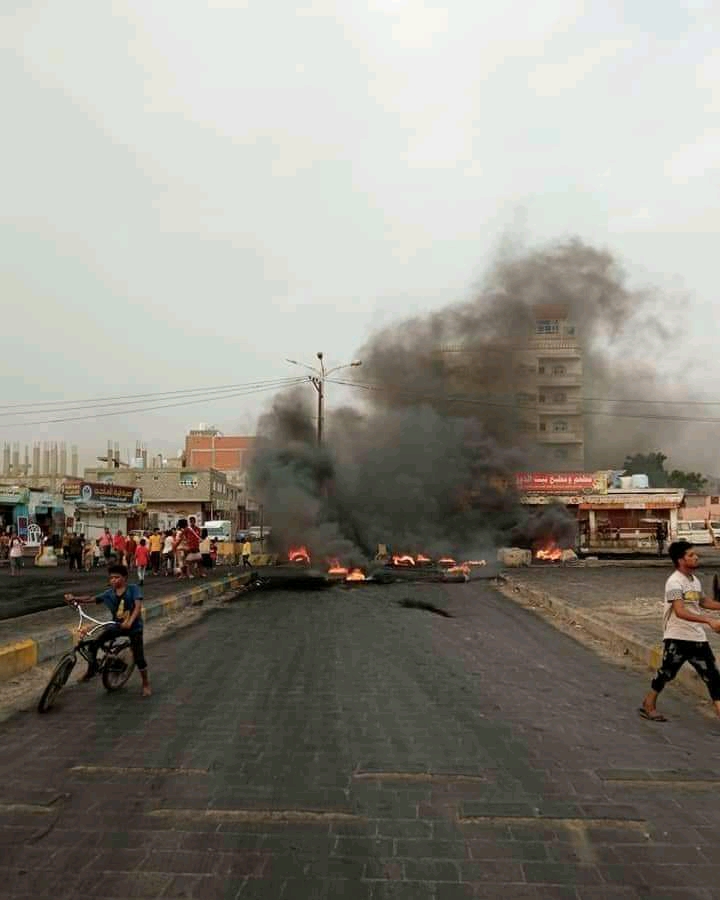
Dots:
pixel 282 816
pixel 31 808
pixel 540 821
pixel 420 777
pixel 137 770
pixel 672 779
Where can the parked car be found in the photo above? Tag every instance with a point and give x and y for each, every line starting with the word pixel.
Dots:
pixel 254 532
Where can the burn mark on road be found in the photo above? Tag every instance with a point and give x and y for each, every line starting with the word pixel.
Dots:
pixel 409 603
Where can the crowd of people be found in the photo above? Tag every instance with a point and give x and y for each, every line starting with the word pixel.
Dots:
pixel 185 551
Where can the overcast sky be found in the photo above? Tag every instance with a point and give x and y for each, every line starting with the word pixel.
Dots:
pixel 193 191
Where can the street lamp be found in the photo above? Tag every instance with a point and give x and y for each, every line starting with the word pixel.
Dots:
pixel 317 379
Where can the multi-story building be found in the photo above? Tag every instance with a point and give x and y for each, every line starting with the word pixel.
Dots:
pixel 536 386
pixel 172 494
pixel 549 389
pixel 208 448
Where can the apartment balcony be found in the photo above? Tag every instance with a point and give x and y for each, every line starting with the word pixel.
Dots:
pixel 570 379
pixel 563 346
pixel 560 437
pixel 560 408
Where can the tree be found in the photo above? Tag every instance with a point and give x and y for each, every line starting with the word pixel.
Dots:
pixel 691 481
pixel 653 465
pixel 650 464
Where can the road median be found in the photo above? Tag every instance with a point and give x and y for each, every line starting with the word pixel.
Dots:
pixel 31 646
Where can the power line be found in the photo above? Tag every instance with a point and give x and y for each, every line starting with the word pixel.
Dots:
pixel 144 409
pixel 124 399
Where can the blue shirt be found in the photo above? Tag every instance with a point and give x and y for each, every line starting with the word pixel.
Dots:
pixel 123 603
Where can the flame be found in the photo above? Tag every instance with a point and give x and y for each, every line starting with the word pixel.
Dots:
pixel 422 560
pixel 356 575
pixel 446 561
pixel 403 561
pixel 299 555
pixel 550 552
pixel 463 569
pixel 475 562
pixel 336 568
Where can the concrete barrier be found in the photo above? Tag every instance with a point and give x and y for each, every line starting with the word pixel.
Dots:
pixel 21 655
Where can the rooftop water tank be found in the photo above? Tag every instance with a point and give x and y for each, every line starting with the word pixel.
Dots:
pixel 640 481
pixel 626 482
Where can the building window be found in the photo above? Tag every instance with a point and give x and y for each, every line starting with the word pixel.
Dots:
pixel 559 397
pixel 547 326
pixel 559 370
pixel 188 481
pixel 541 398
pixel 560 425
pixel 543 426
pixel 570 330
pixel 541 370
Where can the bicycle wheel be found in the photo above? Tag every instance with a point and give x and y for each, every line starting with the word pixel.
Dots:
pixel 57 682
pixel 117 667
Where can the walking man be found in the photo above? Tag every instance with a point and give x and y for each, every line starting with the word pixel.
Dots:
pixel 684 637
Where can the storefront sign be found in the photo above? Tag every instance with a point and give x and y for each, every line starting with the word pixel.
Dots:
pixel 96 492
pixel 560 482
pixel 13 497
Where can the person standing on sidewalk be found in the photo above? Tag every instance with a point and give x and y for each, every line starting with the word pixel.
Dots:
pixel 684 637
pixel 155 543
pixel 142 558
pixel 16 554
pixel 246 552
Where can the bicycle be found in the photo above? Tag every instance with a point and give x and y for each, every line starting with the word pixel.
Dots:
pixel 115 661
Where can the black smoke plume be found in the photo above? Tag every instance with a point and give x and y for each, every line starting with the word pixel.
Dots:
pixel 425 461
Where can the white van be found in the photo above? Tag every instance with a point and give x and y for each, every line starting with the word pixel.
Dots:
pixel 695 531
pixel 220 529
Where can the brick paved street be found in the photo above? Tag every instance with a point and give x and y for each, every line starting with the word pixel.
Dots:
pixel 335 744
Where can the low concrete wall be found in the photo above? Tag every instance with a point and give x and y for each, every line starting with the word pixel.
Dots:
pixel 23 654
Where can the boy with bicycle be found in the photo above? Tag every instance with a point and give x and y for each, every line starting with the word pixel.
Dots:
pixel 125 604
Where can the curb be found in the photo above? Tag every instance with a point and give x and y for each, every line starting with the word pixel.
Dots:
pixel 620 641
pixel 25 653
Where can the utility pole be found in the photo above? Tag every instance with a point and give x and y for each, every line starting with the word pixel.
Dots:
pixel 317 380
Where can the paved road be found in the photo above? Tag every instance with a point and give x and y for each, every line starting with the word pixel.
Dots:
pixel 35 590
pixel 286 752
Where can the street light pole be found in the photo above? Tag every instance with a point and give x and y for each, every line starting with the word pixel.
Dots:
pixel 317 380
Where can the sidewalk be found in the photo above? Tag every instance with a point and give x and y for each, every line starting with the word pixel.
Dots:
pixel 620 607
pixel 26 641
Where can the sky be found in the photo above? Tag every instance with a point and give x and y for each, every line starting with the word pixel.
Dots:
pixel 194 192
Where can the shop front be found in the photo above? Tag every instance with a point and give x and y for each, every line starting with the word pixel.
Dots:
pixel 91 507
pixel 47 512
pixel 610 520
pixel 14 510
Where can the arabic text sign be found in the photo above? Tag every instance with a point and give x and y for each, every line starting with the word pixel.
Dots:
pixel 555 482
pixel 96 492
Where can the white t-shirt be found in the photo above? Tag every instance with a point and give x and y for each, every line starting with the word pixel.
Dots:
pixel 16 548
pixel 168 544
pixel 689 590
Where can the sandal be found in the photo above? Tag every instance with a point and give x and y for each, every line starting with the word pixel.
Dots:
pixel 654 716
